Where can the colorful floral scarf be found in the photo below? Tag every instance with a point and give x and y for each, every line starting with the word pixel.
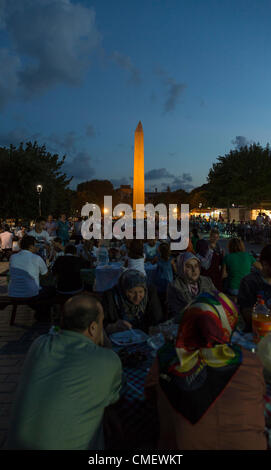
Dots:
pixel 195 372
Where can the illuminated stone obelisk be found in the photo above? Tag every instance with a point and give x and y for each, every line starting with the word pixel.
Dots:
pixel 138 187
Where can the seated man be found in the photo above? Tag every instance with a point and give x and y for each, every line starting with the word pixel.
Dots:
pixel 25 269
pixel 255 283
pixel 67 271
pixel 6 239
pixel 68 380
pixel 41 236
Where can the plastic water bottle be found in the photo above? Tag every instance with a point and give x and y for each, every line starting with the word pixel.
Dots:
pixel 102 256
pixel 261 320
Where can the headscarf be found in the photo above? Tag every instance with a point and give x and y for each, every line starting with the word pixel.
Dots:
pixel 181 260
pixel 204 253
pixel 128 280
pixel 195 373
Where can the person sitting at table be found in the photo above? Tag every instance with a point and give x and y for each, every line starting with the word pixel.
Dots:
pixel 56 250
pixel 39 232
pixel 26 269
pixel 187 285
pixel 213 242
pixel 165 270
pixel 131 304
pixel 210 393
pixel 236 265
pixel 6 241
pixel 254 284
pixel 67 271
pixel 67 383
pixel 84 250
pixel 136 257
pixel 211 263
pixel 150 250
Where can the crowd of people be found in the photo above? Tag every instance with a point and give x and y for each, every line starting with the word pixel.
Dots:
pixel 208 392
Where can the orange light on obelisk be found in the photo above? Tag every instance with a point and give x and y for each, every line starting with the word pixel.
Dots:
pixel 138 188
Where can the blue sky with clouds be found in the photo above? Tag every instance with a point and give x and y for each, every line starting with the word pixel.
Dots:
pixel 78 75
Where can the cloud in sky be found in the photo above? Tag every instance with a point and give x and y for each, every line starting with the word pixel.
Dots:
pixel 126 63
pixel 117 182
pixel 179 182
pixel 80 167
pixel 158 174
pixel 18 135
pixel 241 141
pixel 173 88
pixel 49 43
pixel 90 131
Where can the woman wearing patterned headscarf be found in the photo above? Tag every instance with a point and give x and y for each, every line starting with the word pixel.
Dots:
pixel 187 285
pixel 131 304
pixel 209 392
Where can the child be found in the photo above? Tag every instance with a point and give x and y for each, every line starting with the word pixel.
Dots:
pixel 136 258
pixel 165 269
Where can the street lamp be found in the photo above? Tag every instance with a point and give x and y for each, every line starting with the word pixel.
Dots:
pixel 39 191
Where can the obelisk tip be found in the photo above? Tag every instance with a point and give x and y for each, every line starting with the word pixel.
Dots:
pixel 139 127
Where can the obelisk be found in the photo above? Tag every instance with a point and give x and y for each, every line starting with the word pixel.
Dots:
pixel 138 187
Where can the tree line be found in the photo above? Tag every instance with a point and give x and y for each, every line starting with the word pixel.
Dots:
pixel 241 177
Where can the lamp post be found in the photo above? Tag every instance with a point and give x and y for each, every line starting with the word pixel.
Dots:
pixel 39 191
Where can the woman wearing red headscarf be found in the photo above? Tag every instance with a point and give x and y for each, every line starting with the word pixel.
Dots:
pixel 209 392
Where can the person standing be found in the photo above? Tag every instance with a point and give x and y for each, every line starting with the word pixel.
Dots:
pixel 51 226
pixel 63 229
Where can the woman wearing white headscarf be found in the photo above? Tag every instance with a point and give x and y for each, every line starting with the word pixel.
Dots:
pixel 187 285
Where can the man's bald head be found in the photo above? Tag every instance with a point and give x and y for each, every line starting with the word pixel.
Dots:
pixel 80 311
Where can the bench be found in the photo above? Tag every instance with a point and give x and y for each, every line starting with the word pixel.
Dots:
pixel 56 300
pixel 6 301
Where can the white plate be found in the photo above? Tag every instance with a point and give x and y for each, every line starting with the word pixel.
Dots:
pixel 129 337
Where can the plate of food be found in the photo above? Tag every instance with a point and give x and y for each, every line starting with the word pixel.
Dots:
pixel 129 337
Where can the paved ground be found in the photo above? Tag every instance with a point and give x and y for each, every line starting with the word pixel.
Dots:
pixel 15 341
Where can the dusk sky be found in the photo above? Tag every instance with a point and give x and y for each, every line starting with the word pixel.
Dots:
pixel 78 75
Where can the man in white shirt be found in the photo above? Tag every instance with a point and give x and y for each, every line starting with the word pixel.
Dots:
pixel 25 269
pixel 6 239
pixel 42 237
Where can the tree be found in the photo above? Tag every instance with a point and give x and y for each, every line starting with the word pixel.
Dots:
pixel 241 177
pixel 199 196
pixel 21 169
pixel 93 192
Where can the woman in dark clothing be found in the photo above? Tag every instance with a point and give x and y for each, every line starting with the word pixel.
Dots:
pixel 211 263
pixel 131 304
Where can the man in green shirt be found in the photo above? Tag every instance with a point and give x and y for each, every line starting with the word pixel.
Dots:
pixel 67 382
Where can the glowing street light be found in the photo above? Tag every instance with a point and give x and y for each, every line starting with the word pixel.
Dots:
pixel 39 191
